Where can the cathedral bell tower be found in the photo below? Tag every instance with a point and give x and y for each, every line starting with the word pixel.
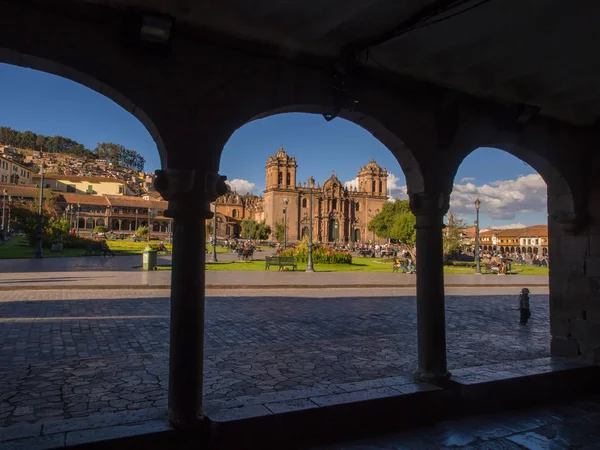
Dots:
pixel 281 171
pixel 372 179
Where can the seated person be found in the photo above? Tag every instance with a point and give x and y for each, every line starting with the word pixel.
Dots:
pixel 105 249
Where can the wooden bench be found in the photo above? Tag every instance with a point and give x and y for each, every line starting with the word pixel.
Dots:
pixel 280 262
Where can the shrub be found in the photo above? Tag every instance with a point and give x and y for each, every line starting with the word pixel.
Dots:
pixel 100 229
pixel 321 254
pixel 142 231
pixel 72 241
pixel 461 263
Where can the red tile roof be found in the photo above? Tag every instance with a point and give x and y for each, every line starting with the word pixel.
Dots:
pixel 82 199
pixel 19 190
pixel 128 201
pixel 76 178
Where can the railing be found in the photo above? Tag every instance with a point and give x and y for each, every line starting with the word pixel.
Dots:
pixel 128 215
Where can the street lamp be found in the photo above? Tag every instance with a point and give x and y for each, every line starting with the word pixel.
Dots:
pixel 77 225
pixel 149 222
pixel 38 253
pixel 477 265
pixel 9 203
pixel 309 264
pixel 285 204
pixel 3 207
pixel 213 257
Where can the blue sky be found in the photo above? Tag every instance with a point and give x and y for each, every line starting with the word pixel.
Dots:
pixel 511 192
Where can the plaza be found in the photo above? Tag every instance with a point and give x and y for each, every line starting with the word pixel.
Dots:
pixel 69 354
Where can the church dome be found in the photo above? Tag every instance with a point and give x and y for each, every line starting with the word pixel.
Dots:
pixel 373 165
pixel 281 154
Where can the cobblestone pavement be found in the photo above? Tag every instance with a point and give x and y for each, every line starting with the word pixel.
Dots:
pixel 70 353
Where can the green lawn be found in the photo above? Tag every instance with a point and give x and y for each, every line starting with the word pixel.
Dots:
pixel 17 247
pixel 358 265
pixel 219 249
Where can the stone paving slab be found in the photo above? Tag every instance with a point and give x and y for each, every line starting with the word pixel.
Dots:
pixel 71 354
pixel 569 425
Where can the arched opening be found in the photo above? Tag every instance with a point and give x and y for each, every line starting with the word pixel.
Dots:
pixel 305 232
pixel 497 195
pixel 125 225
pixel 333 230
pixel 234 213
pixel 79 112
pixel 343 203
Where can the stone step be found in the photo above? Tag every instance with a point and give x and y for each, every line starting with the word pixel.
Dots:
pixel 516 383
pixel 283 418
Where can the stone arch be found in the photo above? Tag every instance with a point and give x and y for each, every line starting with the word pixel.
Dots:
pixel 100 222
pixel 16 58
pixel 89 224
pixel 535 146
pixel 259 108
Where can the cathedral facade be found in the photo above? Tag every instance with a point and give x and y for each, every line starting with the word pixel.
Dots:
pixel 340 214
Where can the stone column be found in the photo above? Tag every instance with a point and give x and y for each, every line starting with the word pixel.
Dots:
pixel 429 210
pixel 189 194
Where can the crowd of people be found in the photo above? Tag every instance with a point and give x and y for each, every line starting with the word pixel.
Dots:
pixel 526 259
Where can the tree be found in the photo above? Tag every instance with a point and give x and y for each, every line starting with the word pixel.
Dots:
pixel 453 235
pixel 279 231
pixel 395 221
pixel 55 228
pixel 255 230
pixel 119 156
pixel 39 142
pixel 142 231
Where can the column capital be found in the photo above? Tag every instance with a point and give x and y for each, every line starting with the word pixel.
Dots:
pixel 429 209
pixel 189 191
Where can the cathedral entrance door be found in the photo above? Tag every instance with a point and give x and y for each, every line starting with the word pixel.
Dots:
pixel 305 232
pixel 356 235
pixel 334 230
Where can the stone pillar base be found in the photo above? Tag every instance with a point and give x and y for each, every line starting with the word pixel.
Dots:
pixel 430 377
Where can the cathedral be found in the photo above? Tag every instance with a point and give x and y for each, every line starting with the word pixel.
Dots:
pixel 340 214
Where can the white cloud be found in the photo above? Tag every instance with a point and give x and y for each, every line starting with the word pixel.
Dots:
pixel 465 179
pixel 242 186
pixel 501 200
pixel 351 184
pixel 395 189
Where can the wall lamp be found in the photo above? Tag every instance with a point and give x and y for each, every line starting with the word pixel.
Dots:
pixel 147 31
pixel 155 29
